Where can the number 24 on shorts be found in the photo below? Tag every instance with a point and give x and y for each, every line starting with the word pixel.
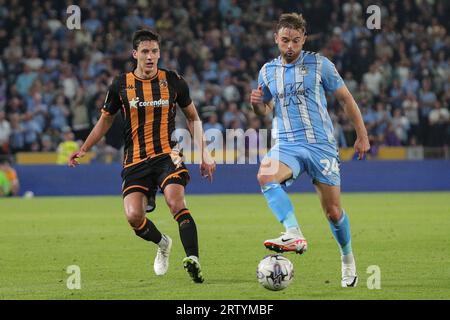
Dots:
pixel 330 166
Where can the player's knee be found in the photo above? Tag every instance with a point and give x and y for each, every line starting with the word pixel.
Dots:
pixel 175 205
pixel 264 179
pixel 333 212
pixel 134 217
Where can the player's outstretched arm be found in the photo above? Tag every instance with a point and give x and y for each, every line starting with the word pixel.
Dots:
pixel 100 129
pixel 259 106
pixel 207 164
pixel 346 100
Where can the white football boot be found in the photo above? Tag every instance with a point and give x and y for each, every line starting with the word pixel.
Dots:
pixel 161 264
pixel 287 242
pixel 349 276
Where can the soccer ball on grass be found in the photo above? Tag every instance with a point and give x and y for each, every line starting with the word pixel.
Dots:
pixel 275 272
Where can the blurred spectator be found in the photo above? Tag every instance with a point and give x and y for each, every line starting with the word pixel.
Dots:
pixel 31 131
pixel 5 185
pixel 208 106
pixel 10 188
pixel 47 144
pixel 66 147
pixel 339 134
pixel 410 108
pixel 230 92
pixel 400 125
pixel 105 153
pixel 5 131
pixel 351 84
pixel 33 61
pixel 439 119
pixel 373 79
pixel 213 123
pixel 411 85
pixel 3 89
pixel 38 112
pixel 25 80
pixel 382 119
pixel 370 120
pixel 69 82
pixel 59 113
pixel 352 9
pixel 395 94
pixel 234 114
pixel 389 136
pixel 80 116
pixel 17 136
pixel 92 24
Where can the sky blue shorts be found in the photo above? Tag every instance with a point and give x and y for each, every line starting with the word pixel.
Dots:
pixel 319 161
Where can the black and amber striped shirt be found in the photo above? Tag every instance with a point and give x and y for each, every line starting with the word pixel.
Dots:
pixel 148 108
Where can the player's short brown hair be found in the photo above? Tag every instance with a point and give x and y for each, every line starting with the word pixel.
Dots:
pixel 145 35
pixel 293 21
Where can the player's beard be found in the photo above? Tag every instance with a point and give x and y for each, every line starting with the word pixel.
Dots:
pixel 289 58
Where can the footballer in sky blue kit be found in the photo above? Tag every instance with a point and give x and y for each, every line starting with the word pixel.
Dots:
pixel 302 124
pixel 293 87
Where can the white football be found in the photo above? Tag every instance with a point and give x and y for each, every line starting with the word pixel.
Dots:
pixel 275 272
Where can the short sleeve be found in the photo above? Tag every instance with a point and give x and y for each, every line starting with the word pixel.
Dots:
pixel 181 88
pixel 183 97
pixel 331 79
pixel 112 101
pixel 263 82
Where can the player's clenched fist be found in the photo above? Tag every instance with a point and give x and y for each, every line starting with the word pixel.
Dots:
pixel 256 97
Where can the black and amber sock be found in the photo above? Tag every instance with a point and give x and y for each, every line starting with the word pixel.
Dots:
pixel 188 232
pixel 148 231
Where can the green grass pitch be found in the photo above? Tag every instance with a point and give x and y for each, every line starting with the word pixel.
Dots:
pixel 406 234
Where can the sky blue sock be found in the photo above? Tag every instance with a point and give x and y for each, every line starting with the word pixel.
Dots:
pixel 341 232
pixel 280 204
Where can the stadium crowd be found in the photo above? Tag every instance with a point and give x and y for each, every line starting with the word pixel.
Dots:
pixel 53 79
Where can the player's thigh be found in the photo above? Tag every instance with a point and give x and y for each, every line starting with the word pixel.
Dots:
pixel 322 164
pixel 139 182
pixel 273 170
pixel 279 165
pixel 172 178
pixel 134 204
pixel 174 196
pixel 330 200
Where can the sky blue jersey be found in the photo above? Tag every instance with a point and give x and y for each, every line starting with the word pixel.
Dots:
pixel 298 90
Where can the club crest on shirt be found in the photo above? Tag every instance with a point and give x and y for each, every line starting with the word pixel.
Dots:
pixel 303 70
pixel 163 83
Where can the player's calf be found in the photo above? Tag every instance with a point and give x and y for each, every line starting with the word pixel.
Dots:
pixel 188 232
pixel 148 231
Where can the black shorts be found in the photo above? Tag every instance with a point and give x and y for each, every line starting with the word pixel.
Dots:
pixel 148 175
